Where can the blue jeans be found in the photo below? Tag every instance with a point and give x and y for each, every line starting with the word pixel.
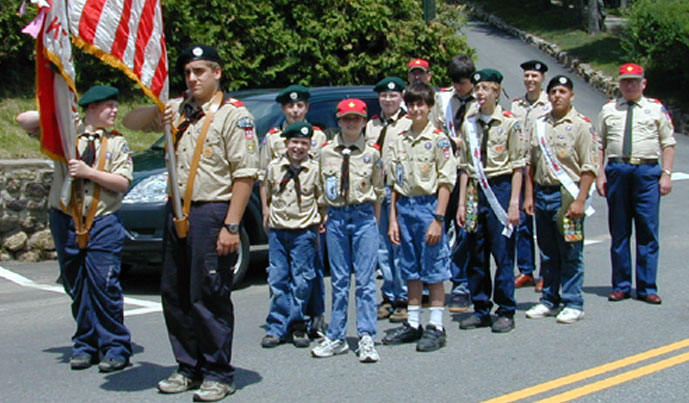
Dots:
pixel 352 238
pixel 460 262
pixel 292 259
pixel 633 195
pixel 488 240
pixel 562 262
pixel 394 288
pixel 91 278
pixel 419 260
pixel 316 304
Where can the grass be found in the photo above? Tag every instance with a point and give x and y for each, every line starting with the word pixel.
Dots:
pixel 556 24
pixel 16 143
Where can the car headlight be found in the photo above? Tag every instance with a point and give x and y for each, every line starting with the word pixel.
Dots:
pixel 149 190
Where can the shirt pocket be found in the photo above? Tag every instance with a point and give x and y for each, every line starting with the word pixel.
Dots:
pixel 424 167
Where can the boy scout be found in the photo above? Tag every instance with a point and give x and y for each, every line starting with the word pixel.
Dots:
pixel 89 236
pixel 196 279
pixel 381 130
pixel 562 161
pixel 532 106
pixel 459 102
pixel 637 136
pixel 294 102
pixel 492 164
pixel 423 173
pixel 352 181
pixel 291 185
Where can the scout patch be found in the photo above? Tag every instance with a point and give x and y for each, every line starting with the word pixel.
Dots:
pixel 313 143
pixel 499 130
pixel 363 185
pixel 108 155
pixel 251 146
pixel 367 159
pixel 425 172
pixel 125 148
pixel 444 143
pixel 446 153
pixel 207 152
pixel 499 148
pixel 331 187
pixel 400 174
pixel 247 124
pixel 562 154
pixel 428 145
pixel 569 128
pixel 647 111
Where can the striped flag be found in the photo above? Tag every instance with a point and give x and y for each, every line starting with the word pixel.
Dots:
pixel 126 34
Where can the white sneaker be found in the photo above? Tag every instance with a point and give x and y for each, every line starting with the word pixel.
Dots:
pixel 367 349
pixel 539 311
pixel 328 348
pixel 570 315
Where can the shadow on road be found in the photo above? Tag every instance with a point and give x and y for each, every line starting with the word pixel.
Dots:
pixel 65 352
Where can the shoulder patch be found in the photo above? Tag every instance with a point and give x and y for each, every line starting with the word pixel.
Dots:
pixel 376 146
pixel 326 143
pixel 317 128
pixel 444 143
pixel 507 113
pixel 654 100
pixel 115 133
pixel 610 100
pixel 375 116
pixel 517 99
pixel 438 131
pixel 446 89
pixel 236 102
pixel 273 130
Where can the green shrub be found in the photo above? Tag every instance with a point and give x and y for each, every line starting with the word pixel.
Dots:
pixel 657 36
pixel 275 43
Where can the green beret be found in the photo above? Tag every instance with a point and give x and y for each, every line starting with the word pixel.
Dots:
pixel 98 93
pixel 486 75
pixel 390 84
pixel 298 130
pixel 560 80
pixel 293 93
pixel 534 65
pixel 197 52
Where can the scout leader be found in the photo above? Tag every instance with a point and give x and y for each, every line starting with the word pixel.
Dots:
pixel 528 109
pixel 423 172
pixel 294 102
pixel 88 252
pixel 217 163
pixel 292 191
pixel 352 181
pixel 381 130
pixel 637 137
pixel 492 164
pixel 562 161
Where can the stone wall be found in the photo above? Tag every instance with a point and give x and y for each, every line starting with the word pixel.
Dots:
pixel 596 78
pixel 24 188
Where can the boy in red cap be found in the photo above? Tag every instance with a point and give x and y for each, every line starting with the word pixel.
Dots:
pixel 352 181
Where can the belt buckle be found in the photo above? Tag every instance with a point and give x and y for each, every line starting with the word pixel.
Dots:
pixel 636 161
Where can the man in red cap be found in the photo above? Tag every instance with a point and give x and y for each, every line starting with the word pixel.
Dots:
pixel 637 137
pixel 420 72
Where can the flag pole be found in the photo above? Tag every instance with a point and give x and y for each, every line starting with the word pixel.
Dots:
pixel 171 163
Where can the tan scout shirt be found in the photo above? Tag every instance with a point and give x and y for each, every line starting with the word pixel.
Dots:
pixel 652 128
pixel 423 163
pixel 401 123
pixel 505 149
pixel 117 161
pixel 437 114
pixel 528 113
pixel 273 146
pixel 285 210
pixel 230 152
pixel 455 103
pixel 365 173
pixel 572 141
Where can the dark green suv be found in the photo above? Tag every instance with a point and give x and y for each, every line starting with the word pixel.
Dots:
pixel 143 208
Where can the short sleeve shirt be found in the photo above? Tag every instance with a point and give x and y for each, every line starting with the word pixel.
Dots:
pixel 230 151
pixel 286 210
pixel 652 128
pixel 273 146
pixel 572 141
pixel 423 163
pixel 528 113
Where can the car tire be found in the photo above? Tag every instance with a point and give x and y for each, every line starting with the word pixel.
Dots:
pixel 243 257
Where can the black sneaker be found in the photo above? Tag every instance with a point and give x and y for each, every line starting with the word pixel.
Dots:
pixel 473 322
pixel 81 361
pixel 269 341
pixel 318 327
pixel 503 325
pixel 459 303
pixel 403 334
pixel 300 339
pixel 109 364
pixel 432 339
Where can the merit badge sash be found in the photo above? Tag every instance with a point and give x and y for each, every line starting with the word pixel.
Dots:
pixel 500 212
pixel 557 169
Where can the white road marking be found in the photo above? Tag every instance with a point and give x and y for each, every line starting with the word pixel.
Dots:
pixel 679 176
pixel 143 305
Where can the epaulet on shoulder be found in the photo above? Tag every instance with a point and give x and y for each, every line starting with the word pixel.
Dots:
pixel 654 100
pixel 376 116
pixel 586 118
pixel 115 133
pixel 325 143
pixel 235 102
pixel 376 146
pixel 610 101
pixel 507 113
pixel 446 89
pixel 516 99
pixel 273 130
pixel 438 131
pixel 317 128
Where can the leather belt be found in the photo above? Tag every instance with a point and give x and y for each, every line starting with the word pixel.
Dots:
pixel 635 161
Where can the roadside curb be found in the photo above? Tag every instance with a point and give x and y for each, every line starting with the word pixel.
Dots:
pixel 596 78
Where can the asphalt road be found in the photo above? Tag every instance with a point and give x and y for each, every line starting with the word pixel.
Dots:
pixel 582 359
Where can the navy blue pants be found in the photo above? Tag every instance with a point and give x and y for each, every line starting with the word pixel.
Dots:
pixel 91 278
pixel 488 240
pixel 633 195
pixel 195 286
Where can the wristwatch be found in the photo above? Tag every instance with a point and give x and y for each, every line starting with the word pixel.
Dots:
pixel 232 228
pixel 667 172
pixel 439 217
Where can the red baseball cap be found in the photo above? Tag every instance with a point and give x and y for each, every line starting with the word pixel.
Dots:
pixel 419 64
pixel 351 106
pixel 631 70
